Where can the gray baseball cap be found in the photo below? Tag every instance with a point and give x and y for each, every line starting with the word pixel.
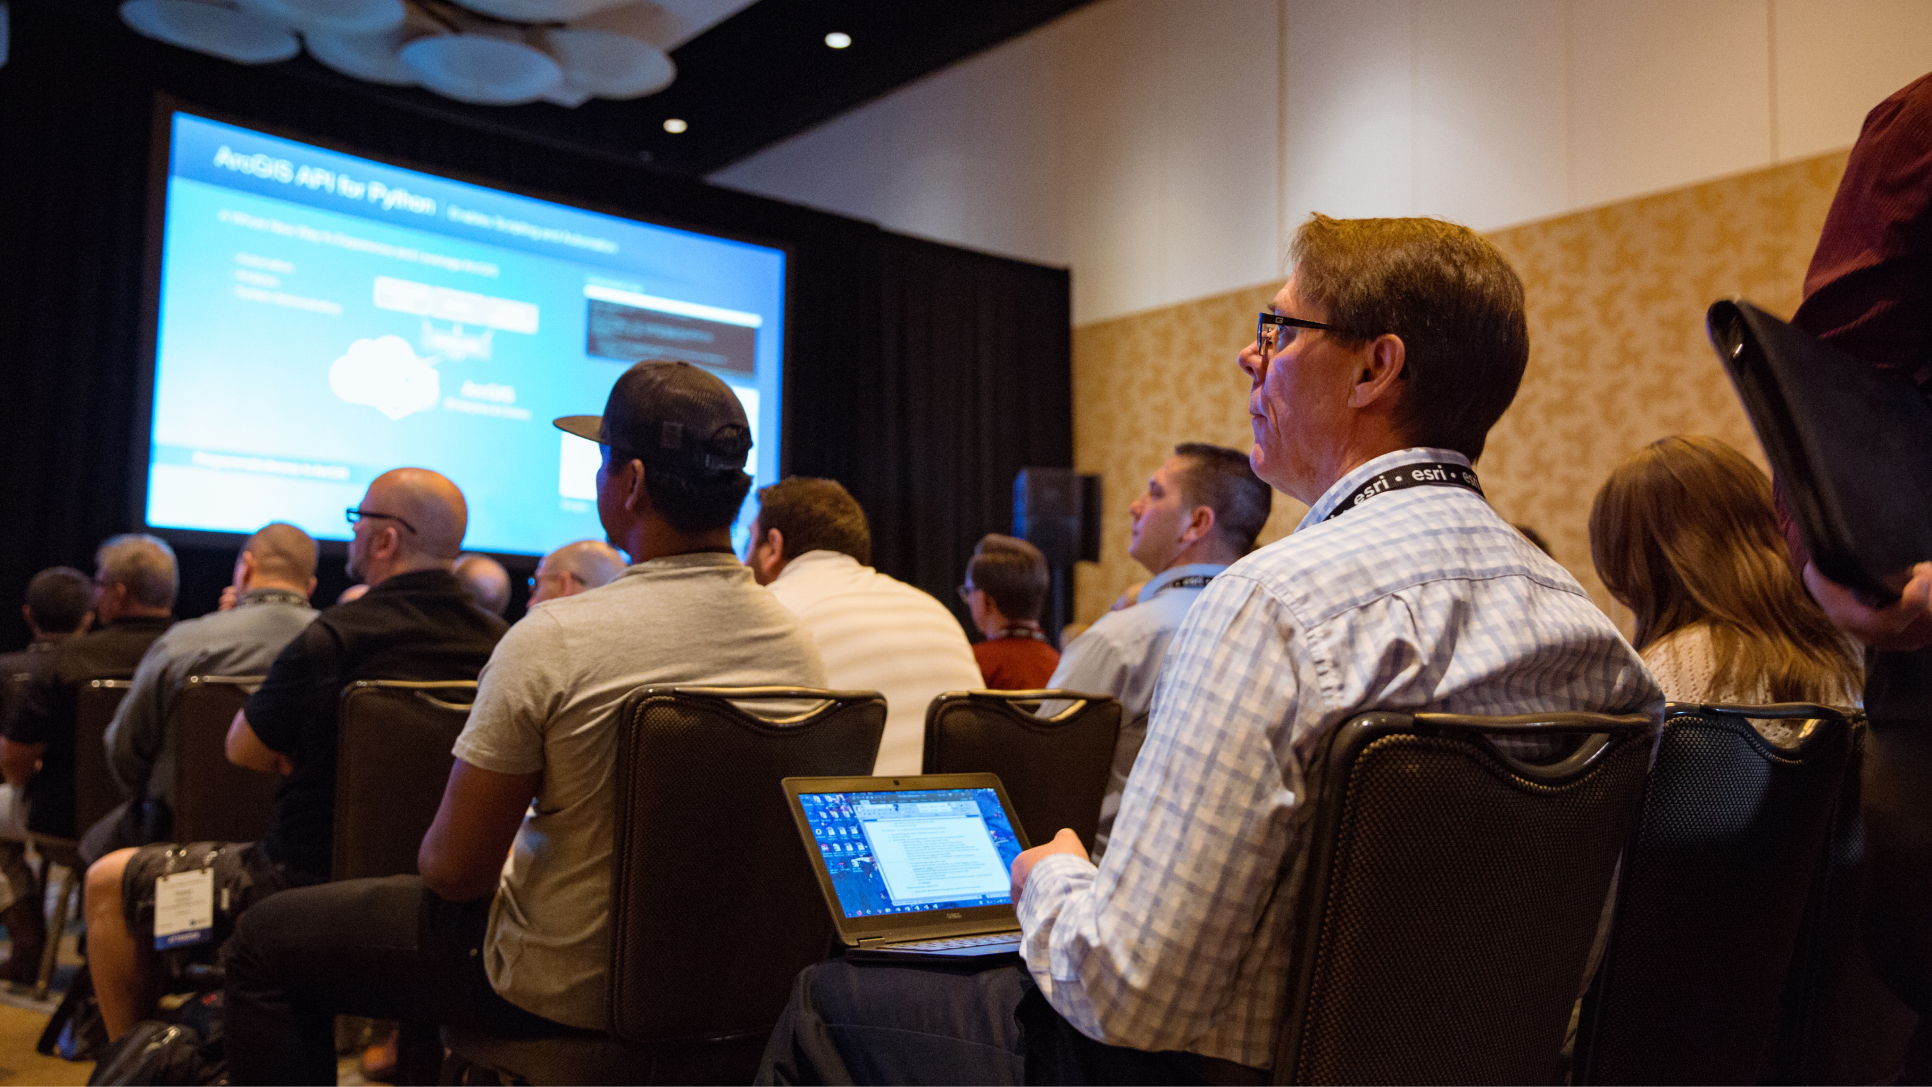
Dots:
pixel 672 414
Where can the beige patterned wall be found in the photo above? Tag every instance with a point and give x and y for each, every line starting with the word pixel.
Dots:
pixel 1618 358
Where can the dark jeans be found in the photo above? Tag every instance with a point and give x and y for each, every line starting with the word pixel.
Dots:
pixel 882 1022
pixel 382 948
pixel 1897 802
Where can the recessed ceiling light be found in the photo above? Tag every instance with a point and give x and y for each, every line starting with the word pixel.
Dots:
pixel 838 40
pixel 674 125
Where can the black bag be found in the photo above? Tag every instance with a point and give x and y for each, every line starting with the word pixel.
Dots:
pixel 155 1052
pixel 76 1030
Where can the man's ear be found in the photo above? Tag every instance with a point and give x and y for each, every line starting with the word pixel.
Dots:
pixel 637 497
pixel 1381 362
pixel 1200 522
pixel 247 564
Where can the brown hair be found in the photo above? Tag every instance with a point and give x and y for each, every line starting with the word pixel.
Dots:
pixel 815 515
pixel 143 563
pixel 1222 480
pixel 1448 294
pixel 1684 532
pixel 1013 573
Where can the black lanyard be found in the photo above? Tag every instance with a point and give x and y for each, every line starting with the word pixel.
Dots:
pixel 1429 474
pixel 1191 581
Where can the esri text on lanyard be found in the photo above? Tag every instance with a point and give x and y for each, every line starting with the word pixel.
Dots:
pixel 1427 474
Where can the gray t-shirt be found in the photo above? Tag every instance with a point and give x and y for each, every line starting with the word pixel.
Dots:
pixel 548 703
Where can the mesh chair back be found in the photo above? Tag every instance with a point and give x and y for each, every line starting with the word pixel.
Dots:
pixel 1452 894
pixel 1054 768
pixel 95 793
pixel 714 907
pixel 215 800
pixel 1840 1023
pixel 393 757
pixel 1712 888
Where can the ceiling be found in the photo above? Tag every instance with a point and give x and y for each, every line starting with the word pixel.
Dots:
pixel 749 75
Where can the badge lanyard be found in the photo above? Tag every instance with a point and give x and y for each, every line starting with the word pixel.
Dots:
pixel 1191 581
pixel 1430 474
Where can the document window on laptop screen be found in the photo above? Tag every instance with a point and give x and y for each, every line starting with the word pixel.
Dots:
pixel 910 851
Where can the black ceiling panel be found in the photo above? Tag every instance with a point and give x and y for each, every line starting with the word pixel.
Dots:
pixel 758 77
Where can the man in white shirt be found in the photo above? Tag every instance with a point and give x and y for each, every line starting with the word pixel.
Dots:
pixel 810 545
pixel 1202 511
pixel 1374 380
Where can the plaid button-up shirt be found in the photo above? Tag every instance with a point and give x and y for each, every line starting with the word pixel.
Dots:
pixel 1421 599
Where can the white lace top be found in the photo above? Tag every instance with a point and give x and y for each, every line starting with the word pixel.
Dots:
pixel 1685 665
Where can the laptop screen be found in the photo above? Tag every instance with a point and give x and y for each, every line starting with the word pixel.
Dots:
pixel 913 850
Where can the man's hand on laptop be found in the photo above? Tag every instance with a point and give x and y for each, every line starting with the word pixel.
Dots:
pixel 1064 842
pixel 1901 626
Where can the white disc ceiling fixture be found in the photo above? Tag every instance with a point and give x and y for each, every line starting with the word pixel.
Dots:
pixel 482 70
pixel 330 16
pixel 608 65
pixel 217 31
pixel 538 11
pixel 485 52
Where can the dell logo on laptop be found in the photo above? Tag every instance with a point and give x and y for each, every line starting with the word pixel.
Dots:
pixel 954 916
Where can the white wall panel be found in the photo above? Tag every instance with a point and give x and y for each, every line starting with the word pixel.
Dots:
pixel 1164 148
pixel 1836 59
pixel 1219 148
pixel 1112 160
pixel 1666 92
pixel 1348 99
pixel 1491 151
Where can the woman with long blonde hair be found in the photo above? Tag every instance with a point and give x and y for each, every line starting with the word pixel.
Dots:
pixel 1684 535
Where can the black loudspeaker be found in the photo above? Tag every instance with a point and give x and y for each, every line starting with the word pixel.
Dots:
pixel 1058 511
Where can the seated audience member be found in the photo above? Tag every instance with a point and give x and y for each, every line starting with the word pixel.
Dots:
pixel 487 581
pixel 58 609
pixel 575 568
pixel 1380 369
pixel 811 545
pixel 1202 511
pixel 416 622
pixel 135 581
pixel 1684 534
pixel 1005 591
pixel 522 948
pixel 273 577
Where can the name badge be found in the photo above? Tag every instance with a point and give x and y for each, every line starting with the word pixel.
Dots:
pixel 184 909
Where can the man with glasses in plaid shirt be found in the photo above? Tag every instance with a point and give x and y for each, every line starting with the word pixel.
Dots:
pixel 1374 381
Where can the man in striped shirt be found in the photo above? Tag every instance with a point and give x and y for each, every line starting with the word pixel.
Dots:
pixel 810 545
pixel 1375 378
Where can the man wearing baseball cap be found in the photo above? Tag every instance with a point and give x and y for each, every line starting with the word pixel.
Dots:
pixel 520 949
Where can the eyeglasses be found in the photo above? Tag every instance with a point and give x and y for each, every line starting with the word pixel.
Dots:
pixel 1272 331
pixel 354 514
pixel 966 592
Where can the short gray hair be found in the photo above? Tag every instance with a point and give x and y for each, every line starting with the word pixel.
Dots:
pixel 143 563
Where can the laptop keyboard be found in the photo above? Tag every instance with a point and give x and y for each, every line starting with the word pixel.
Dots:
pixel 962 941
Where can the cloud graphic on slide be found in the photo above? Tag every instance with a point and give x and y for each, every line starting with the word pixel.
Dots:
pixel 385 374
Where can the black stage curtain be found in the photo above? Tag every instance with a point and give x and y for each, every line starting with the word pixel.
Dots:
pixel 920 375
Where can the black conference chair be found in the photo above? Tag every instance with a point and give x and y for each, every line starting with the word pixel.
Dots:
pixel 1451 895
pixel 215 800
pixel 1713 885
pixel 392 761
pixel 1840 1024
pixel 714 907
pixel 1054 768
pixel 95 794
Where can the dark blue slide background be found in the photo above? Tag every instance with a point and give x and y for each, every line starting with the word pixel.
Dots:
pixel 311 337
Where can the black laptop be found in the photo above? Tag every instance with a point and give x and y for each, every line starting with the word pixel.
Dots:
pixel 913 867
pixel 1852 446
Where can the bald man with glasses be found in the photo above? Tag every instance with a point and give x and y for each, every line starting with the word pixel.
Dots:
pixel 416 622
